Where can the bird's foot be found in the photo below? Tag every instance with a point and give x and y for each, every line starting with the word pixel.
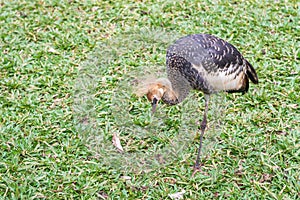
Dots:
pixel 196 168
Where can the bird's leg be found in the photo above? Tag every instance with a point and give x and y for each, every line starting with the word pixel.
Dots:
pixel 203 127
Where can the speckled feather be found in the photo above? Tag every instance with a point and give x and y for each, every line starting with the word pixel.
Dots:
pixel 207 63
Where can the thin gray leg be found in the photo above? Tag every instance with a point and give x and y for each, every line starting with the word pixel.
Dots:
pixel 203 127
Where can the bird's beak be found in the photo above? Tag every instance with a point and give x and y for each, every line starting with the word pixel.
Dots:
pixel 154 104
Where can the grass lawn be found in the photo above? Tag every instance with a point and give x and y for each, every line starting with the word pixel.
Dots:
pixel 68 72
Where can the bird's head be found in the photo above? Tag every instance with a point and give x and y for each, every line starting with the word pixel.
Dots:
pixel 155 89
pixel 154 94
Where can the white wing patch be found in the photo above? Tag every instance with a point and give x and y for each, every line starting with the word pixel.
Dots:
pixel 222 80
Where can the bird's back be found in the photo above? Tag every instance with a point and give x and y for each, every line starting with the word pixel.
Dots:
pixel 209 64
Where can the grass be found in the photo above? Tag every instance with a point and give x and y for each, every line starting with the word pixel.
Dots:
pixel 68 71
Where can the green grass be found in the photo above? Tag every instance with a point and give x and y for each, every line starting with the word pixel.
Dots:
pixel 67 74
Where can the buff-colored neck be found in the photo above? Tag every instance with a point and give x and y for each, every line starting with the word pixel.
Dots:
pixel 176 91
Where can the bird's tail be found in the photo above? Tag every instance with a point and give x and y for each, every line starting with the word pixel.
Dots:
pixel 251 73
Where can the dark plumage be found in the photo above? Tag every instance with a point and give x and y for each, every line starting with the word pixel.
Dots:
pixel 201 62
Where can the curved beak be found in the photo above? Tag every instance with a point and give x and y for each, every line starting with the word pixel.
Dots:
pixel 154 104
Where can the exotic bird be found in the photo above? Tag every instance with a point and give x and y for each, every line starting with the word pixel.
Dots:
pixel 202 62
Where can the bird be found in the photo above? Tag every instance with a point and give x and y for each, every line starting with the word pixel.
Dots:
pixel 201 62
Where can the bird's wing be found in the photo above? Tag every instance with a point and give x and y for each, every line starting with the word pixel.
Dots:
pixel 216 64
pixel 212 53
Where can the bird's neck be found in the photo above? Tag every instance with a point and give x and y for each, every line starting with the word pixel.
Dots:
pixel 176 91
